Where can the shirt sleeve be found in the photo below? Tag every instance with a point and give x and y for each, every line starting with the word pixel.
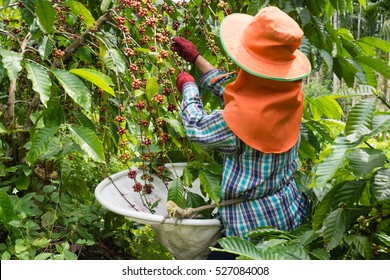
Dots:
pixel 214 80
pixel 208 130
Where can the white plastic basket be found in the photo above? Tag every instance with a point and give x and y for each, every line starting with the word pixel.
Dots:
pixel 187 239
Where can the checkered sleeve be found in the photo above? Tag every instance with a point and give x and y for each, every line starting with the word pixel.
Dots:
pixel 208 130
pixel 214 80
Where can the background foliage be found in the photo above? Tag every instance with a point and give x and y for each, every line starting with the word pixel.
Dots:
pixel 87 88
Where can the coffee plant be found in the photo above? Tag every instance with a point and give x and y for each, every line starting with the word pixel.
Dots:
pixel 87 88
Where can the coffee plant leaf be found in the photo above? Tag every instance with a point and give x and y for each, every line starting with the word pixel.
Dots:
pixel 332 162
pixel 364 161
pixel 151 88
pixel 211 184
pixel 5 4
pixel 39 142
pixel 339 5
pixel 115 61
pixel 320 254
pixel 383 238
pixel 376 63
pixel 380 184
pixel 194 200
pixel 12 62
pixel 380 123
pixel 244 248
pixel 374 43
pixel 85 121
pixel 325 106
pixel 187 176
pixel 292 252
pixel 78 9
pixel 46 15
pixel 74 87
pixel 40 79
pixel 344 70
pixel 176 192
pixel 363 246
pixel 6 208
pixel 349 193
pixel 45 47
pixel 334 228
pixel 97 78
pixel 324 207
pixel 359 119
pixel 104 5
pixel 88 141
pixel 176 125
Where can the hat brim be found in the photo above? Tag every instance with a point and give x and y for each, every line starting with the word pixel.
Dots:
pixel 232 28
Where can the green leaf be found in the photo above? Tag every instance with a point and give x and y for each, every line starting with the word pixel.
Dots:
pixel 324 207
pixel 188 178
pixel 359 119
pixel 384 238
pixel 104 5
pixel 6 209
pixel 376 63
pixel 115 61
pixel 97 78
pixel 325 105
pixel 349 192
pixel 334 228
pixel 45 47
pixel 363 246
pixel 293 253
pixel 264 231
pixel 40 141
pixel 236 245
pixel 364 161
pixel 320 254
pixel 211 185
pixel 78 9
pixel 375 42
pixel 40 80
pixel 88 141
pixel 46 15
pixel 344 69
pixel 85 121
pixel 339 5
pixel 5 4
pixel 49 218
pixel 331 164
pixel 176 192
pixel 380 123
pixel 380 184
pixel 194 200
pixel 151 87
pixel 363 3
pixel 75 88
pixel 43 256
pixel 12 62
pixel 176 125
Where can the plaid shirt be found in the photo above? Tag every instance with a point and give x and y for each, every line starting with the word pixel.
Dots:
pixel 265 179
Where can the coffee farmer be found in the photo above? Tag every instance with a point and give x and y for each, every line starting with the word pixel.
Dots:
pixel 257 131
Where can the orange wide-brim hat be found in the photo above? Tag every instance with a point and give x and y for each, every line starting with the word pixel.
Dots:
pixel 265 45
pixel 264 105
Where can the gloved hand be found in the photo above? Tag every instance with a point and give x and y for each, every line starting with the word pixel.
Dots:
pixel 183 78
pixel 185 49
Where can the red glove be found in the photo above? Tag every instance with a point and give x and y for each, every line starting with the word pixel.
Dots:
pixel 183 78
pixel 185 49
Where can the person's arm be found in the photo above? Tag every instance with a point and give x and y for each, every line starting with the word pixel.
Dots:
pixel 203 65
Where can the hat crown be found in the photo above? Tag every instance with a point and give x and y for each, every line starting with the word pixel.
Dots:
pixel 272 36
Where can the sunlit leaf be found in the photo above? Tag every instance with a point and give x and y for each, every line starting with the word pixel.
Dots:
pixel 40 80
pixel 88 141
